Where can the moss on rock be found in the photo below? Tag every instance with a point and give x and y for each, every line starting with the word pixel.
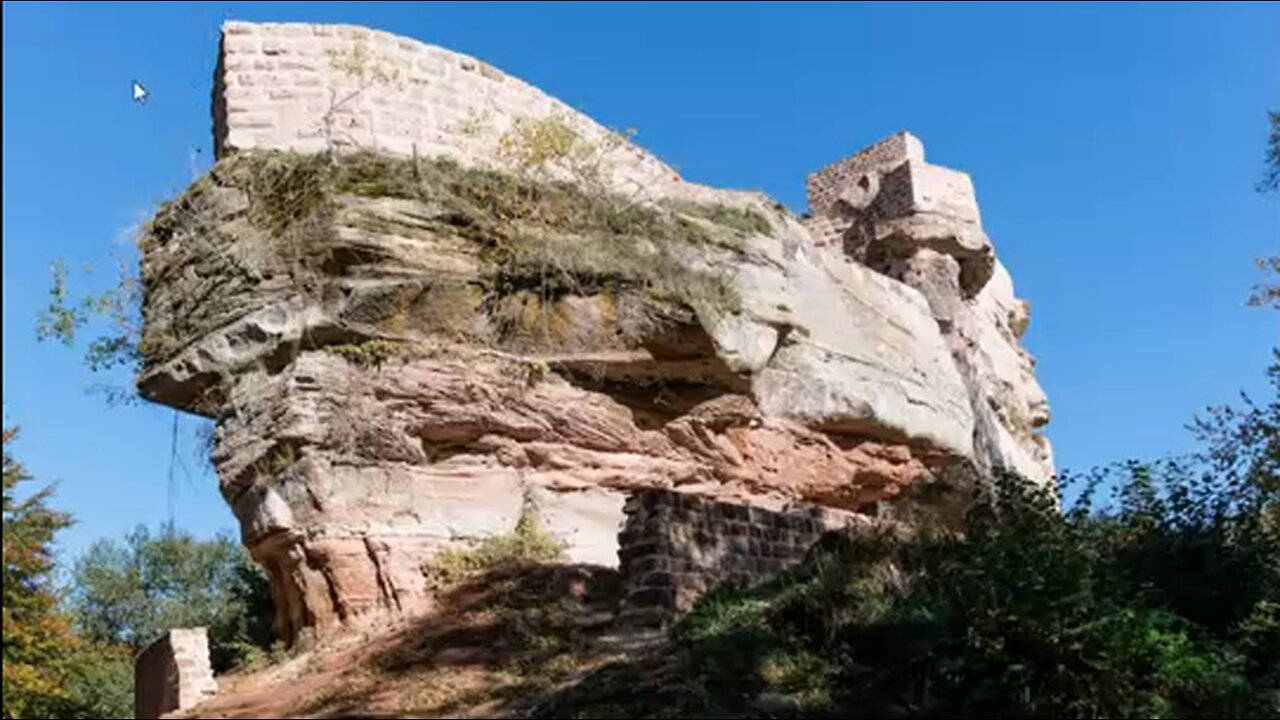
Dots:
pixel 534 245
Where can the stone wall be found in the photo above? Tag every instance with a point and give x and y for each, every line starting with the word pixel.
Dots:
pixel 825 186
pixel 173 673
pixel 310 88
pixel 677 546
pixel 887 181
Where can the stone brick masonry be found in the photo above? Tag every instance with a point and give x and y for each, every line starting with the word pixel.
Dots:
pixel 825 186
pixel 310 88
pixel 173 673
pixel 677 546
pixel 886 181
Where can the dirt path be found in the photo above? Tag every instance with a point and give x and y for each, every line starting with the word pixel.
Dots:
pixel 494 643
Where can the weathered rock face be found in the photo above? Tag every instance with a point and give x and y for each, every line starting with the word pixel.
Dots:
pixel 919 223
pixel 401 347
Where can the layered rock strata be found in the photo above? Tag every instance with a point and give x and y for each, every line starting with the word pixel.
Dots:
pixel 475 299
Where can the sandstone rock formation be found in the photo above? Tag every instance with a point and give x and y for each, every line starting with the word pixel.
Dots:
pixel 416 293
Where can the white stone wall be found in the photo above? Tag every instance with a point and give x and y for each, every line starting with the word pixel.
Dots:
pixel 309 88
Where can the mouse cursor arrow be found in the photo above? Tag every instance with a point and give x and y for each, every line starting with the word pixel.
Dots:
pixel 139 92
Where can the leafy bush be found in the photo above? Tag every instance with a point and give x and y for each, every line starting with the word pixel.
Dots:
pixel 98 683
pixel 1163 602
pixel 528 542
pixel 367 354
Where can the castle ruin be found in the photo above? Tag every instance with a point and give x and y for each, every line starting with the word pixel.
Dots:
pixel 358 295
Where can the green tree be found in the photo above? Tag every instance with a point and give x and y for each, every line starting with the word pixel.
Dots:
pixel 99 683
pixel 116 314
pixel 1271 172
pixel 1267 292
pixel 48 670
pixel 131 592
pixel 37 636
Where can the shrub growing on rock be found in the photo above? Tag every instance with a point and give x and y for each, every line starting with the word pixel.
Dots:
pixel 527 543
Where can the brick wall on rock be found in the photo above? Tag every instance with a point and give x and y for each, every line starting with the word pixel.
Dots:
pixel 309 88
pixel 675 546
pixel 886 181
pixel 173 673
pixel 824 230
pixel 824 186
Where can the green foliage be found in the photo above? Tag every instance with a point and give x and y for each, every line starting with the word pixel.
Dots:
pixel 534 143
pixel 48 670
pixel 60 320
pixel 37 637
pixel 538 240
pixel 745 220
pixel 1271 173
pixel 130 593
pixel 550 148
pixel 370 353
pixel 284 190
pixel 255 657
pixel 359 64
pixel 364 70
pixel 1267 292
pixel 528 542
pixel 548 228
pixel 1163 602
pixel 280 458
pixel 1161 606
pixel 118 308
pixel 98 683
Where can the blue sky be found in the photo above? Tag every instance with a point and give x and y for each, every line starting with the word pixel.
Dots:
pixel 1114 150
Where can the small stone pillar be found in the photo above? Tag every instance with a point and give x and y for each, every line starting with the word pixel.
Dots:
pixel 173 673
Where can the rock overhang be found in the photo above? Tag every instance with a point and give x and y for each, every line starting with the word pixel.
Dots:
pixel 382 407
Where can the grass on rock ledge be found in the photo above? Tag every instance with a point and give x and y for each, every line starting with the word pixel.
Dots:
pixel 528 230
pixel 536 242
